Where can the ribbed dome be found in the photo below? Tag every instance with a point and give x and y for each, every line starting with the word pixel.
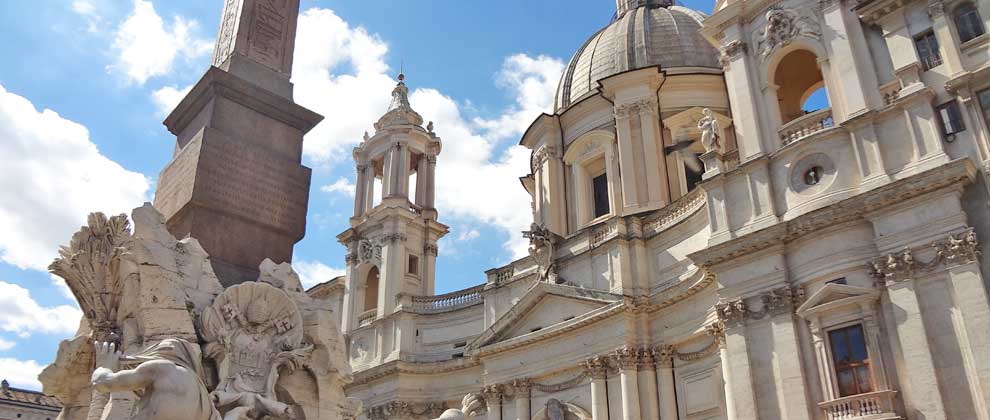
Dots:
pixel 642 37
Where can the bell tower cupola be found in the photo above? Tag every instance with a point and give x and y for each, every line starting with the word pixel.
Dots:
pixel 392 241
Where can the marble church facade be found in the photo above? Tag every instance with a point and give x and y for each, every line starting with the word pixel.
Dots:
pixel 704 247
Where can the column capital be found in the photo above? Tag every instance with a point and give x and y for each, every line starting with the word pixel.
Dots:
pixel 596 367
pixel 518 388
pixel 493 394
pixel 663 356
pixel 626 357
pixel 936 8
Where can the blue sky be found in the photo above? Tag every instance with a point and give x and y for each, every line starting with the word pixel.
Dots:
pixel 85 84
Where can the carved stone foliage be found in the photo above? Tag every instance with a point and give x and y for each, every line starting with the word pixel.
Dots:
pixel 367 251
pixel 730 51
pixel 596 367
pixel 91 266
pixel 773 302
pixel 955 249
pixel 541 155
pixel 403 409
pixel 630 109
pixel 253 331
pixel 783 26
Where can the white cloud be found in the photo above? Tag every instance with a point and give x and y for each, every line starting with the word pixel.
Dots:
pixel 351 100
pixel 341 185
pixel 83 7
pixel 24 316
pixel 168 97
pixel 468 235
pixel 312 273
pixel 21 373
pixel 476 178
pixel 52 177
pixel 6 345
pixel 146 48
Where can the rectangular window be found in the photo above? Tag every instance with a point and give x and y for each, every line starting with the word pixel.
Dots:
pixel 984 98
pixel 413 265
pixel 600 186
pixel 928 51
pixel 851 361
pixel 951 118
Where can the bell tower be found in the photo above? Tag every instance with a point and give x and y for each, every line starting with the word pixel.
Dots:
pixel 392 241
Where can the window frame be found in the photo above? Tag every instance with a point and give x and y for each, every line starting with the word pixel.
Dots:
pixel 951 107
pixel 932 45
pixel 973 22
pixel 984 106
pixel 850 366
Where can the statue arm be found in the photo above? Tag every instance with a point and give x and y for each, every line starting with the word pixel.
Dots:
pixel 105 380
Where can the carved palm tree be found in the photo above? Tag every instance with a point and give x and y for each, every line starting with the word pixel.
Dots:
pixel 91 265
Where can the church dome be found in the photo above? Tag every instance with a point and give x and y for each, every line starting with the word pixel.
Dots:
pixel 645 33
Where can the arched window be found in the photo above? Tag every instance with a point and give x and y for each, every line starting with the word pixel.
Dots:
pixel 800 85
pixel 371 289
pixel 968 22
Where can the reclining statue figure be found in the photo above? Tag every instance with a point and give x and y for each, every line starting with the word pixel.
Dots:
pixel 165 377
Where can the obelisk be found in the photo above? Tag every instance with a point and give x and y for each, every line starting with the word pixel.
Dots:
pixel 236 182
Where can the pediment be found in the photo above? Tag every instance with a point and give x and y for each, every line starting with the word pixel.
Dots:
pixel 833 296
pixel 544 305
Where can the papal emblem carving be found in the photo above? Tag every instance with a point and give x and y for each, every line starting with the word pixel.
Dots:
pixel 253 330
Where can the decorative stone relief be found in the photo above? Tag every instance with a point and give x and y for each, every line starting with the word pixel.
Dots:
pixel 627 358
pixel 956 249
pixel 541 156
pixel 936 8
pixel 541 248
pixel 555 409
pixel 773 302
pixel 596 367
pixel 493 395
pixel 782 26
pixel 638 107
pixel 367 252
pixel 663 355
pixel 254 332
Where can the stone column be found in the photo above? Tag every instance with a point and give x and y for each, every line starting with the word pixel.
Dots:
pixel 624 119
pixel 402 180
pixel 648 385
pixel 597 369
pixel 969 294
pixel 520 392
pixel 421 179
pixel 739 83
pixel 922 393
pixel 663 358
pixel 849 60
pixel 717 331
pixel 493 401
pixel 360 185
pixel 369 187
pixel 581 197
pixel 792 393
pixel 866 148
pixel 627 358
pixel 738 374
pixel 825 373
pixel 948 39
pixel 431 171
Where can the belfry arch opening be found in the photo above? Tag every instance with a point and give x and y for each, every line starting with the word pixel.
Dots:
pixel 800 85
pixel 371 289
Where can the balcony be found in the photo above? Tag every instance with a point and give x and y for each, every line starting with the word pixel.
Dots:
pixel 806 125
pixel 877 405
pixel 366 317
pixel 447 302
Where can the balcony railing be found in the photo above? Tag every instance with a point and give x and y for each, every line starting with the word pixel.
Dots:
pixel 449 301
pixel 365 318
pixel 806 125
pixel 879 405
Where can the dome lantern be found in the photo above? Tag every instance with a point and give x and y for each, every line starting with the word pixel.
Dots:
pixel 623 6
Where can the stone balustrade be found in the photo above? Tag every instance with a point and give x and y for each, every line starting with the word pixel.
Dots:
pixel 366 317
pixel 806 125
pixel 890 91
pixel 860 406
pixel 447 302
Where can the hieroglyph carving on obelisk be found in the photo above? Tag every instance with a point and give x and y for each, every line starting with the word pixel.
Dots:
pixel 267 37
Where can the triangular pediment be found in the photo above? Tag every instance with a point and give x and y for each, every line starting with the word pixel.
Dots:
pixel 833 296
pixel 544 305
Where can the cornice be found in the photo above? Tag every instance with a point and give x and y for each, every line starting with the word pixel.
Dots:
pixel 853 208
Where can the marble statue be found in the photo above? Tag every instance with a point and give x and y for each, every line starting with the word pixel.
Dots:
pixel 471 404
pixel 711 132
pixel 253 330
pixel 541 248
pixel 166 376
